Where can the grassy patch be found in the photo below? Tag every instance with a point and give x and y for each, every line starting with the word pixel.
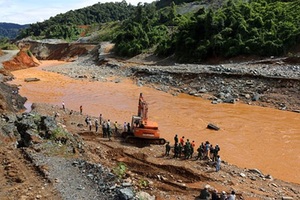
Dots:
pixel 120 170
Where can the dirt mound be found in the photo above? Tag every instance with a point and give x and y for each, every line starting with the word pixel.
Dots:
pixel 22 60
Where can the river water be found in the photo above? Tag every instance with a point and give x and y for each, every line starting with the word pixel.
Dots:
pixel 250 136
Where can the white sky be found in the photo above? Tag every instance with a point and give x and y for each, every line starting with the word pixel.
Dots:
pixel 32 11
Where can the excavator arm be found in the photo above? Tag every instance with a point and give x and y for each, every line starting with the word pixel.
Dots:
pixel 143 109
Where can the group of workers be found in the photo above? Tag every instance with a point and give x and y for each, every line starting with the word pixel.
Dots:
pixel 209 193
pixel 107 128
pixel 206 151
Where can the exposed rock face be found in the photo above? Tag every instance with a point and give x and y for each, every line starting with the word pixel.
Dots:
pixel 59 51
pixel 22 60
pixel 10 100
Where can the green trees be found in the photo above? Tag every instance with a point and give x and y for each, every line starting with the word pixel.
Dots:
pixel 237 27
pixel 66 26
pixel 140 32
pixel 256 28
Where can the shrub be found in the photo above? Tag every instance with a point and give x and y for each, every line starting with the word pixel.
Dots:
pixel 120 170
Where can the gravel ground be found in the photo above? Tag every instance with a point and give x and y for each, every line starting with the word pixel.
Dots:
pixel 74 180
pixel 77 179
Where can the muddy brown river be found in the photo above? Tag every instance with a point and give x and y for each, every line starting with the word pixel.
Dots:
pixel 250 136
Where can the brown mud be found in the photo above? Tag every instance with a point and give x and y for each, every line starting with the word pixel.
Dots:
pixel 250 136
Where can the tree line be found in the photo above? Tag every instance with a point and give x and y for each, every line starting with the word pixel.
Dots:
pixel 233 27
pixel 69 25
pixel 256 27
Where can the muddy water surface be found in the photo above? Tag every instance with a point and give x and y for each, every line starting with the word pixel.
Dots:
pixel 250 136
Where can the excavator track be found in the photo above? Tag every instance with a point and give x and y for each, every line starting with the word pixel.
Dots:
pixel 130 138
pixel 144 141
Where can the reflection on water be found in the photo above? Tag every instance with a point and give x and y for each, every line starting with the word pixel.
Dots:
pixel 250 136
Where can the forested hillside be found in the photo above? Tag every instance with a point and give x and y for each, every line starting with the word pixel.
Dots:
pixel 70 25
pixel 192 32
pixel 10 30
pixel 257 27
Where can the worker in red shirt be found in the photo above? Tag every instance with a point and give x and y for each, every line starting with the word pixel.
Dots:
pixel 193 148
pixel 182 140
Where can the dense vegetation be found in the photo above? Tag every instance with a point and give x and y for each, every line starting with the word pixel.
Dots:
pixel 191 32
pixel 10 30
pixel 257 27
pixel 69 25
pixel 6 44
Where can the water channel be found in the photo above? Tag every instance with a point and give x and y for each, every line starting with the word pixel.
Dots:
pixel 250 136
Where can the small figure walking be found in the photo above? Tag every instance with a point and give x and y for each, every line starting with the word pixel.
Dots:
pixel 63 106
pixel 80 108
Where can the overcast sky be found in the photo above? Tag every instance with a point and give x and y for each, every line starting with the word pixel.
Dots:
pixel 32 11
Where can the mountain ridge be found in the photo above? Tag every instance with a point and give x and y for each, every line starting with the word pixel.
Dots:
pixel 10 30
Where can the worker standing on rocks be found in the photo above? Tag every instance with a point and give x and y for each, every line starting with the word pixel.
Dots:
pixel 218 163
pixel 116 127
pixel 63 106
pixel 128 127
pixel 176 139
pixel 100 119
pixel 179 150
pixel 87 120
pixel 124 127
pixel 182 140
pixel 192 148
pixel 216 152
pixel 96 125
pixel 231 196
pixel 104 129
pixel 204 193
pixel 80 109
pixel 90 124
pixel 168 148
pixel 176 150
pixel 108 129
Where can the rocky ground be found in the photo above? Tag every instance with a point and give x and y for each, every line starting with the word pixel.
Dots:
pixel 43 157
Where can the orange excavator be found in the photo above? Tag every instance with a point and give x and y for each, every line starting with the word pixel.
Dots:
pixel 143 131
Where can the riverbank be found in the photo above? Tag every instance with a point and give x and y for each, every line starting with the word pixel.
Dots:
pixel 271 83
pixel 164 177
pixel 249 184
